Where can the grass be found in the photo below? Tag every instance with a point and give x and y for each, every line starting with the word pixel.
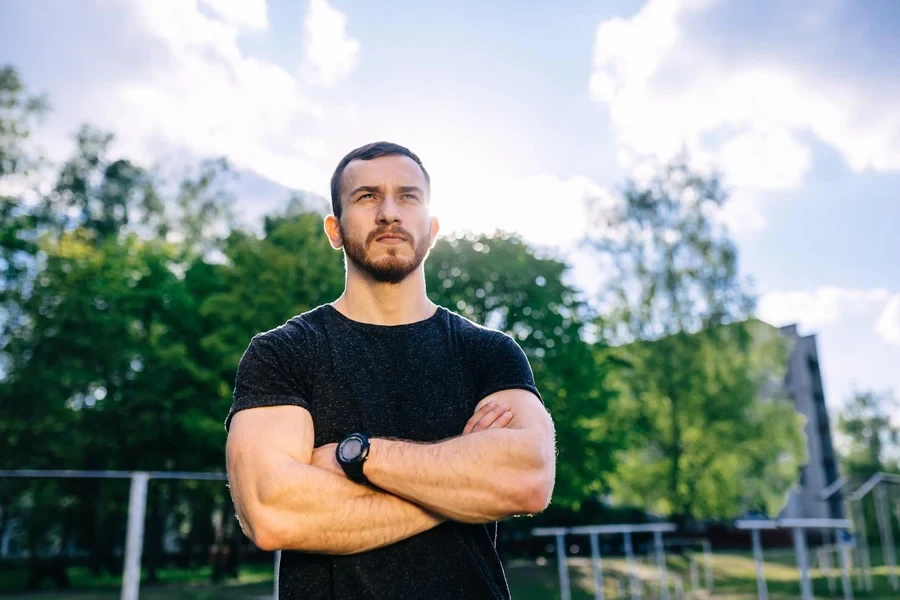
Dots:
pixel 734 578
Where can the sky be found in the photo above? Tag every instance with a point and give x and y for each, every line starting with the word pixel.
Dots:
pixel 521 110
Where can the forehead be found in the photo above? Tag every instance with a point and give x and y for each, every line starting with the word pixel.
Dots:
pixel 385 171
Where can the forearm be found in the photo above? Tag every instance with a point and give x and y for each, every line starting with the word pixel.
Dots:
pixel 485 476
pixel 314 510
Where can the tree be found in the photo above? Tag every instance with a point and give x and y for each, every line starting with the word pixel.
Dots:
pixel 675 307
pixel 872 438
pixel 501 282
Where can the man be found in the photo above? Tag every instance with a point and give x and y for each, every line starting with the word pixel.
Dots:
pixel 377 440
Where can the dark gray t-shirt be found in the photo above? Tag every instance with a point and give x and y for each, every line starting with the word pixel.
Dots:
pixel 419 382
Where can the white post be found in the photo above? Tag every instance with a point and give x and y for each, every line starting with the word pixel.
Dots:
pixel 695 578
pixel 629 555
pixel 620 589
pixel 845 569
pixel 802 563
pixel 679 588
pixel 824 557
pixel 761 588
pixel 661 565
pixel 134 539
pixel 277 569
pixel 887 536
pixel 597 567
pixel 863 542
pixel 564 590
pixel 707 554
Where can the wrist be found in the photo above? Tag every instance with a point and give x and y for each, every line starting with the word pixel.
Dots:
pixel 379 452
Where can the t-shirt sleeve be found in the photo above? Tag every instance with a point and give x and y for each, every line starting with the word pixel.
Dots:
pixel 503 366
pixel 268 375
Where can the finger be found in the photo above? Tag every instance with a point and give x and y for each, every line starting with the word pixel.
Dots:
pixel 475 417
pixel 485 421
pixel 502 421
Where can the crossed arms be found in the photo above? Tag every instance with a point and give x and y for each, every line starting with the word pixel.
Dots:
pixel 289 495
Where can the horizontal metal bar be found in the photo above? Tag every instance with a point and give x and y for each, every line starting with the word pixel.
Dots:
pixel 540 531
pixel 814 523
pixel 40 473
pixel 756 524
pixel 605 529
pixel 613 529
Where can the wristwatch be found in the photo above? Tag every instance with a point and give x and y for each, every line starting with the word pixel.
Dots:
pixel 351 455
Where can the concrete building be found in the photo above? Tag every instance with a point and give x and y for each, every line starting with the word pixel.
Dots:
pixel 803 383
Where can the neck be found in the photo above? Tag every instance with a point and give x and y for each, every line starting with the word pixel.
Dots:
pixel 369 301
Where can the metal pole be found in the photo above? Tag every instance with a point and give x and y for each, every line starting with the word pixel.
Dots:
pixel 695 578
pixel 629 555
pixel 865 560
pixel 597 567
pixel 134 539
pixel 761 588
pixel 802 564
pixel 661 565
pixel 887 536
pixel 277 569
pixel 707 554
pixel 564 590
pixel 824 557
pixel 845 570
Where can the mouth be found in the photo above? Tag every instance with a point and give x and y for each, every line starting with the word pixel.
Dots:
pixel 390 238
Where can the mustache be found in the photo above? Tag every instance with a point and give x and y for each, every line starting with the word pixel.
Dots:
pixel 388 230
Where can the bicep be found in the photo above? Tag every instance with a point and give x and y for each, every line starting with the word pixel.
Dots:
pixel 529 415
pixel 260 441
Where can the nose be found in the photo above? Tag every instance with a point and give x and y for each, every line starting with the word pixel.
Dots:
pixel 388 210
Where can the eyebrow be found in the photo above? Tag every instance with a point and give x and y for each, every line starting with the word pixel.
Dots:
pixel 405 189
pixel 372 189
pixel 365 188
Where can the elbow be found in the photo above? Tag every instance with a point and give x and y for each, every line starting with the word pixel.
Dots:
pixel 261 527
pixel 260 531
pixel 533 496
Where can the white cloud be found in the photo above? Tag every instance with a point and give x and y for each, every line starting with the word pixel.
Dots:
pixel 203 94
pixel 330 53
pixel 252 14
pixel 819 307
pixel 888 324
pixel 545 209
pixel 666 90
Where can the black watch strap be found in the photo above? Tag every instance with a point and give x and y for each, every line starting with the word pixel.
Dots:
pixel 357 444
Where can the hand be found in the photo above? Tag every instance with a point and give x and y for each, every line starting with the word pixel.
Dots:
pixel 324 457
pixel 492 415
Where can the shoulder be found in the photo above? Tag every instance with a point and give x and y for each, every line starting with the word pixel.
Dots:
pixel 297 333
pixel 478 336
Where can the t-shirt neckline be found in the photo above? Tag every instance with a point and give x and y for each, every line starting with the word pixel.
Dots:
pixel 385 328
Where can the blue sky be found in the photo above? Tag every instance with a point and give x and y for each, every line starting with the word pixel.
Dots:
pixel 520 110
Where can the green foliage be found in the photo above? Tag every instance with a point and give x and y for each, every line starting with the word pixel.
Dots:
pixel 700 442
pixel 872 438
pixel 499 281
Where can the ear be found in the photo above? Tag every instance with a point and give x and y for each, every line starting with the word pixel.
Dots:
pixel 435 229
pixel 333 231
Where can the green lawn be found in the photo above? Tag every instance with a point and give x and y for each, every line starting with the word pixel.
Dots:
pixel 733 573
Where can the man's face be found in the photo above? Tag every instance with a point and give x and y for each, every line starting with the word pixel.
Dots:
pixel 386 228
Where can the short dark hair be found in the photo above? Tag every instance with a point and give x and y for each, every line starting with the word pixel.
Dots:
pixel 368 152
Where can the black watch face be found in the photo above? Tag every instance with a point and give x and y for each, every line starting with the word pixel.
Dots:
pixel 350 449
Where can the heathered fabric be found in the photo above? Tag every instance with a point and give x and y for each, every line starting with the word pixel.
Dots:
pixel 419 382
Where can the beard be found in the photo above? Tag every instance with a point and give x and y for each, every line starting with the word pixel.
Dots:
pixel 391 269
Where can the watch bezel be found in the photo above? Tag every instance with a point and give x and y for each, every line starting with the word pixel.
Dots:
pixel 363 449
